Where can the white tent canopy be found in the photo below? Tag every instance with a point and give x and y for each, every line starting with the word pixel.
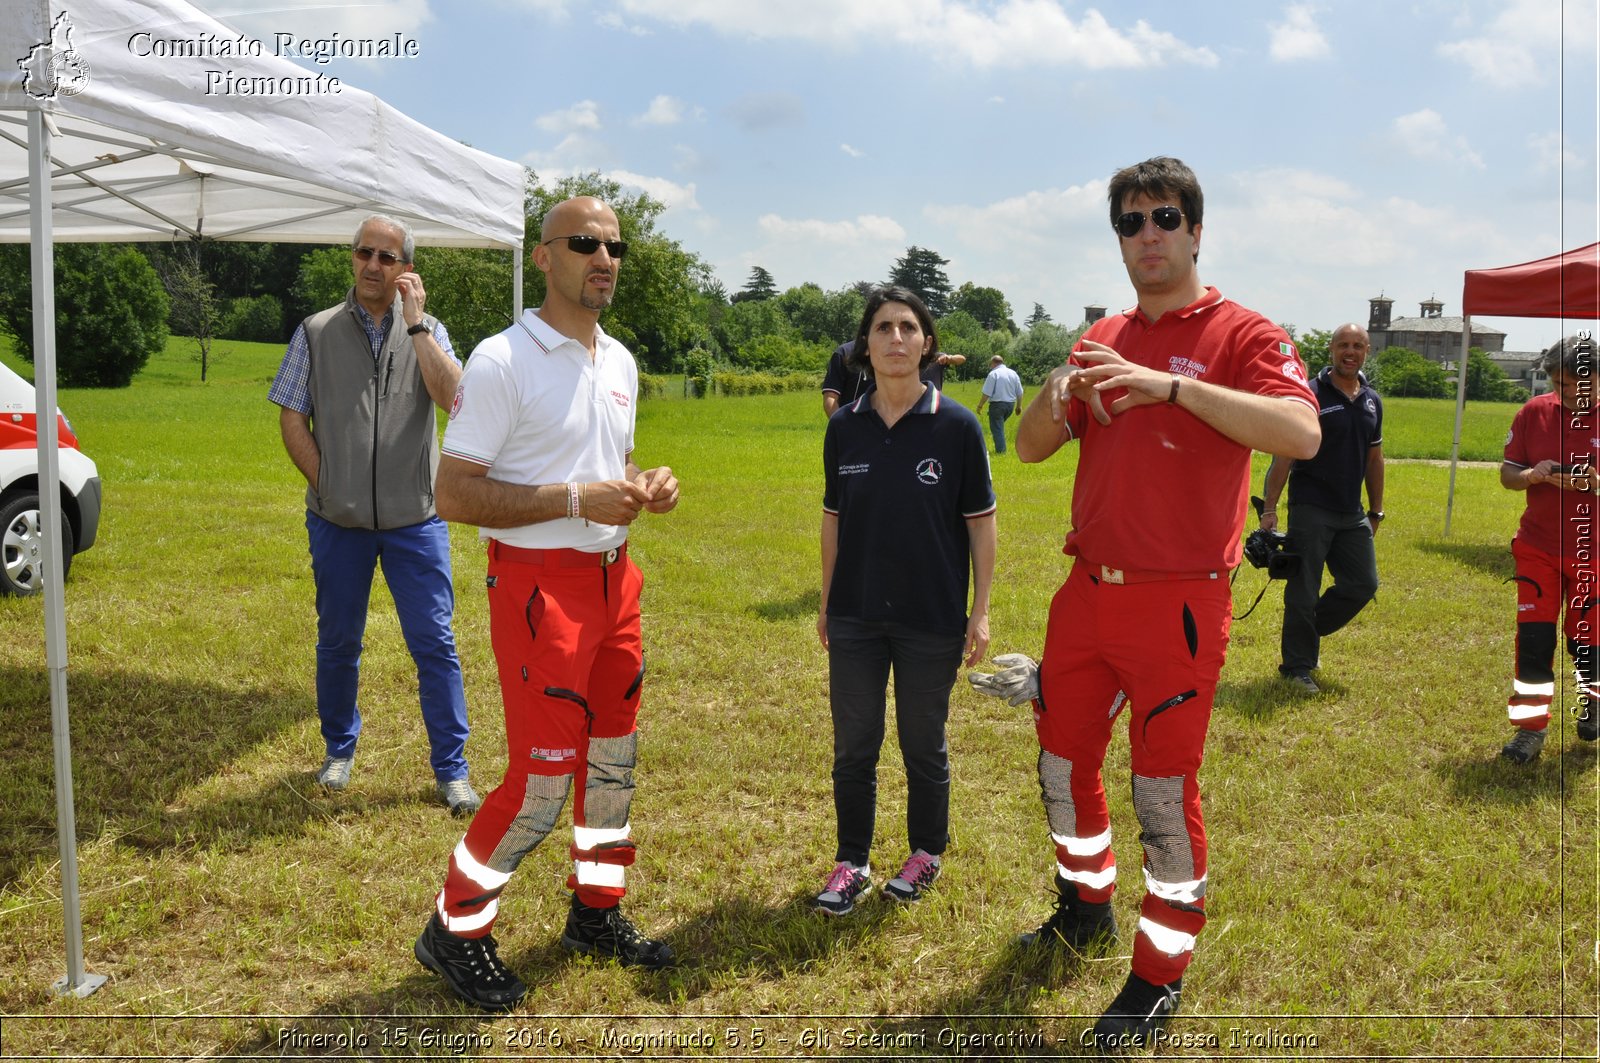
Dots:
pixel 152 147
pixel 146 120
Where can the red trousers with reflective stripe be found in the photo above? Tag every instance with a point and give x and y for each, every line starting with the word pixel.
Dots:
pixel 1549 587
pixel 568 647
pixel 1162 644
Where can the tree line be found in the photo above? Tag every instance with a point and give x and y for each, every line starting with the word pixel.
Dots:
pixel 117 304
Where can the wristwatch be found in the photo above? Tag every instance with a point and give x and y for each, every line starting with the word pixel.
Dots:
pixel 418 327
pixel 1374 514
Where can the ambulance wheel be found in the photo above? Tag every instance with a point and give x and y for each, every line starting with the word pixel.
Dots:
pixel 22 546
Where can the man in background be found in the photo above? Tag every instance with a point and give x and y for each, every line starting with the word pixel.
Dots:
pixel 1002 390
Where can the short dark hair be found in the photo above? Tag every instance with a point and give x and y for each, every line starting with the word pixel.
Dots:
pixel 1162 177
pixel 858 360
pixel 1572 355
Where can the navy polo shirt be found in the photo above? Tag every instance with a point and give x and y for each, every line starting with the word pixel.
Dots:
pixel 903 496
pixel 848 384
pixel 1350 427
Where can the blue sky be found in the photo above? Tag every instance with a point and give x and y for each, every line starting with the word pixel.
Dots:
pixel 1345 149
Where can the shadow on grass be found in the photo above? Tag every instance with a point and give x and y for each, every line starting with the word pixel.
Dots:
pixel 1491 558
pixel 1488 779
pixel 138 742
pixel 802 605
pixel 1262 697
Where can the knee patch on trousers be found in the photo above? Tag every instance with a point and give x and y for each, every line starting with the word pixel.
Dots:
pixel 542 799
pixel 1055 786
pixel 1164 830
pixel 608 789
pixel 1536 651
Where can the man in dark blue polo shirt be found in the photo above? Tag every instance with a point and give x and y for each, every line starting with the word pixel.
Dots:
pixel 842 384
pixel 1327 524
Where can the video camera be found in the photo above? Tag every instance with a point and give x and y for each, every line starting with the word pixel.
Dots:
pixel 1270 549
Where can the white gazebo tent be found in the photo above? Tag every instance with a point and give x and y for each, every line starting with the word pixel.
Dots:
pixel 106 134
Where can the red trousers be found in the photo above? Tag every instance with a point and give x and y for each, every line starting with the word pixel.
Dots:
pixel 566 639
pixel 1153 649
pixel 1550 588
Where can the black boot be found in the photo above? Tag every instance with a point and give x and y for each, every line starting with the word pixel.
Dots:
pixel 1136 1015
pixel 607 933
pixel 470 966
pixel 1075 923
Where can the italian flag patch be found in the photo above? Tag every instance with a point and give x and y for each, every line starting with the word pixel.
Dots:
pixel 1286 349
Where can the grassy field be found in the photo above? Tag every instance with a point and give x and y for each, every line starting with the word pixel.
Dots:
pixel 1381 886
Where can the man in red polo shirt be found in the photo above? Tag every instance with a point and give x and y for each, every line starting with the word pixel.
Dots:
pixel 1166 401
pixel 1550 453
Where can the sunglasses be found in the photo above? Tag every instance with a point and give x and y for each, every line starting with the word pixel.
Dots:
pixel 1131 224
pixel 385 258
pixel 588 245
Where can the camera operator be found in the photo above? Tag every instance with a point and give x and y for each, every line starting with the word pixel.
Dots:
pixel 1326 522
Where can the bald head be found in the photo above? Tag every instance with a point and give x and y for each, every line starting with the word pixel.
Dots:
pixel 579 280
pixel 1347 351
pixel 570 218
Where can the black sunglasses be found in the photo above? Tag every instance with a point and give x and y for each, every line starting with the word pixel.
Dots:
pixel 385 258
pixel 588 245
pixel 1131 224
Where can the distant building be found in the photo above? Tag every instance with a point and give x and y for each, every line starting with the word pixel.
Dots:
pixel 1438 338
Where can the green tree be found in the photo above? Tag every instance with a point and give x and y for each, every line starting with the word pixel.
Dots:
pixel 745 322
pixel 1487 382
pixel 961 333
pixel 757 287
pixel 1314 346
pixel 1403 373
pixel 469 290
pixel 1042 348
pixel 822 317
pixel 1039 316
pixel 987 305
pixel 193 308
pixel 323 280
pixel 111 311
pixel 657 294
pixel 922 271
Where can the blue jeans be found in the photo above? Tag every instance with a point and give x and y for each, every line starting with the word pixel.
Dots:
pixel 860 654
pixel 998 412
pixel 416 566
pixel 1342 541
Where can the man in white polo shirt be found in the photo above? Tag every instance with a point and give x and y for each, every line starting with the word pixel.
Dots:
pixel 538 453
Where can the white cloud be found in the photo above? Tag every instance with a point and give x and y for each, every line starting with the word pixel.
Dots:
pixel 1425 135
pixel 1009 33
pixel 583 115
pixel 1551 152
pixel 610 20
pixel 663 110
pixel 320 20
pixel 1298 36
pixel 868 230
pixel 1518 48
pixel 674 195
pixel 854 153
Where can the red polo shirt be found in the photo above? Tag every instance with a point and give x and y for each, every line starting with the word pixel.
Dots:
pixel 1158 489
pixel 1542 429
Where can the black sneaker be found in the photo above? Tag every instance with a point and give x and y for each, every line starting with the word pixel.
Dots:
pixel 1588 720
pixel 846 882
pixel 1135 1016
pixel 1074 923
pixel 470 966
pixel 1524 746
pixel 608 934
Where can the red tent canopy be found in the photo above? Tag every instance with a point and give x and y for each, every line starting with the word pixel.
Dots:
pixel 1565 285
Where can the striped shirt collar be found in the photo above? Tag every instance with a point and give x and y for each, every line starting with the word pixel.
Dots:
pixel 928 403
pixel 548 339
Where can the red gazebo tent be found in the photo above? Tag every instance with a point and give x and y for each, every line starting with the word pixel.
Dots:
pixel 1565 285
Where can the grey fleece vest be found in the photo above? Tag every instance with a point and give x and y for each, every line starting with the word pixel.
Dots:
pixel 373 423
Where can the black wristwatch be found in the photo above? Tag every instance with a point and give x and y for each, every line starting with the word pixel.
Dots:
pixel 420 326
pixel 1374 514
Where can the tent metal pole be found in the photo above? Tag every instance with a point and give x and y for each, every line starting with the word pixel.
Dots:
pixel 42 234
pixel 1461 402
pixel 516 281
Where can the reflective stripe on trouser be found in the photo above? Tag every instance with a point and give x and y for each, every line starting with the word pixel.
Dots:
pixel 1163 643
pixel 1548 589
pixel 567 644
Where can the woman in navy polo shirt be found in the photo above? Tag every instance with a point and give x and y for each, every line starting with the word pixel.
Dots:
pixel 907 510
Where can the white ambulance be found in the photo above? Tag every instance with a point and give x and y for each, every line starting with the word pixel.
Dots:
pixel 21 538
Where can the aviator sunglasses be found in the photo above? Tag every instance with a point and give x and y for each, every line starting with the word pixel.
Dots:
pixel 385 258
pixel 588 245
pixel 1131 224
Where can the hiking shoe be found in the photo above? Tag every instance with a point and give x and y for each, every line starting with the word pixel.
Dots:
pixel 1588 720
pixel 1303 681
pixel 845 884
pixel 914 878
pixel 471 966
pixel 1075 923
pixel 1524 746
pixel 335 772
pixel 459 795
pixel 606 933
pixel 1135 1016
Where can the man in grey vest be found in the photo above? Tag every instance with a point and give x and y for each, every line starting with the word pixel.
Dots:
pixel 358 386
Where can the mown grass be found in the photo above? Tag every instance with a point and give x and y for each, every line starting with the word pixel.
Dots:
pixel 1379 881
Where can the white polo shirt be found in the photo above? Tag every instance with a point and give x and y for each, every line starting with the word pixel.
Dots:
pixel 533 408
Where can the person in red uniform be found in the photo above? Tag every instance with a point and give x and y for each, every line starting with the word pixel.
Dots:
pixel 1550 453
pixel 1166 401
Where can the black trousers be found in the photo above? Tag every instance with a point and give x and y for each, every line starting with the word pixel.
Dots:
pixel 860 658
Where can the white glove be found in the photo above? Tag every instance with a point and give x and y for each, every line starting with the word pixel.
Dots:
pixel 1017 681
